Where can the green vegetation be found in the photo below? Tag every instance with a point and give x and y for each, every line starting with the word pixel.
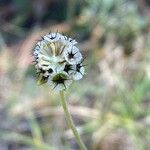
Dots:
pixel 110 105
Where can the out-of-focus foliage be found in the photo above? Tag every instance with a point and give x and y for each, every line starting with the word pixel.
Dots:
pixel 119 17
pixel 110 105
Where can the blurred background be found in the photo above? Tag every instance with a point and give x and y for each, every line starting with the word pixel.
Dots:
pixel 110 105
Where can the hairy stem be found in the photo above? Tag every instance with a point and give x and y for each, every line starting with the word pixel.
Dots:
pixel 70 121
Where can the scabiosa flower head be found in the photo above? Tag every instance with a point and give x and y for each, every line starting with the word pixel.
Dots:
pixel 58 61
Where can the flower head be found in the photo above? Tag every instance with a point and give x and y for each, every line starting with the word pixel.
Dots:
pixel 72 55
pixel 58 61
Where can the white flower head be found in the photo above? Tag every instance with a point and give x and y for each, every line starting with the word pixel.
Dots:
pixel 72 55
pixel 53 37
pixel 68 41
pixel 60 81
pixel 58 61
pixel 79 72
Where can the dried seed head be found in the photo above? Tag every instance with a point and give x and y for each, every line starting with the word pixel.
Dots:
pixel 58 61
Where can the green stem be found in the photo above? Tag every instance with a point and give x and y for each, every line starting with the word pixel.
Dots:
pixel 70 121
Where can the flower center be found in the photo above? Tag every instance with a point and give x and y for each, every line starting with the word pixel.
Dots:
pixel 67 68
pixel 59 78
pixel 50 70
pixel 70 55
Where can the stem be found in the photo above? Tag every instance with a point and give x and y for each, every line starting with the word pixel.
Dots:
pixel 70 121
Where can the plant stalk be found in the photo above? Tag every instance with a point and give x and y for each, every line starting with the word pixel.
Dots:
pixel 70 121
